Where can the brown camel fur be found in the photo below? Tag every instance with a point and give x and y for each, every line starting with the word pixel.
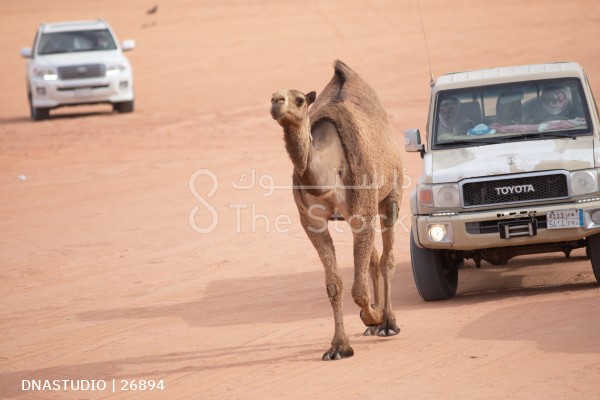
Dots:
pixel 346 166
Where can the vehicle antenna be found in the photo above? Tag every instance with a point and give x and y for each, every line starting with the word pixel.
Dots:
pixel 431 80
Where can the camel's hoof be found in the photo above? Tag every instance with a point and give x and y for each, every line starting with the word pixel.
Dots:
pixel 379 331
pixel 337 353
pixel 388 328
pixel 371 331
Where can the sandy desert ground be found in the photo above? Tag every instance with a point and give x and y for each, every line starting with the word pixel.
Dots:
pixel 103 276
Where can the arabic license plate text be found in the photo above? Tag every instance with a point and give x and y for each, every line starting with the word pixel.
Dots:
pixel 564 219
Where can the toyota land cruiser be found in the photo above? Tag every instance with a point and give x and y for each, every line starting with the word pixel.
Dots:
pixel 77 62
pixel 511 166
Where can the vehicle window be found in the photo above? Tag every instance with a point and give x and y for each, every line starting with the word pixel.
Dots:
pixel 76 41
pixel 510 112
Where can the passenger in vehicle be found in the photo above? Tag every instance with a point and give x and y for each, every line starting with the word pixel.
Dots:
pixel 102 42
pixel 452 119
pixel 556 103
pixel 509 110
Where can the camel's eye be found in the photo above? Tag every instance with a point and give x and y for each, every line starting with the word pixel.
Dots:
pixel 299 101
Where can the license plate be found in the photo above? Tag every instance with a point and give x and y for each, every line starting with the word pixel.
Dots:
pixel 565 219
pixel 83 92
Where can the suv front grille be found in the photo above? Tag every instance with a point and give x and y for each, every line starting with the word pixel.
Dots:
pixel 82 71
pixel 514 190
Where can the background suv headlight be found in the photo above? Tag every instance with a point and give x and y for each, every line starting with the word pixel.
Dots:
pixel 115 69
pixel 584 182
pixel 47 74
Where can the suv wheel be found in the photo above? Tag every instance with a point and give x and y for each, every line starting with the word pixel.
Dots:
pixel 38 113
pixel 435 272
pixel 123 107
pixel 593 251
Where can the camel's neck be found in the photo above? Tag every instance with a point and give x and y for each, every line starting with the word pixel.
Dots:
pixel 298 146
pixel 318 156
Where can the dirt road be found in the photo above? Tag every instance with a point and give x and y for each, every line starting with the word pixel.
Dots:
pixel 105 274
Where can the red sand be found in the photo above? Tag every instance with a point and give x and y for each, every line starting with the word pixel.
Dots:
pixel 102 276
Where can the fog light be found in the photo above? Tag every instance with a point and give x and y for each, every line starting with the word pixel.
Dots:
pixel 596 217
pixel 437 233
pixel 40 91
pixel 123 84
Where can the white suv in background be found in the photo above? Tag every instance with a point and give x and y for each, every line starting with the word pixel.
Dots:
pixel 78 62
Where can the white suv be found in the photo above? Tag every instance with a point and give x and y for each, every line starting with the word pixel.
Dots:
pixel 511 167
pixel 78 62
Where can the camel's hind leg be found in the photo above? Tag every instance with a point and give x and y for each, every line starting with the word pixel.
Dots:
pixel 318 234
pixel 364 242
pixel 375 273
pixel 389 213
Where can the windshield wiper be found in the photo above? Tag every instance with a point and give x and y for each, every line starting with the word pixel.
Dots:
pixel 472 142
pixel 548 135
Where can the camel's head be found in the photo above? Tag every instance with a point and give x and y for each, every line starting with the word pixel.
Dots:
pixel 290 107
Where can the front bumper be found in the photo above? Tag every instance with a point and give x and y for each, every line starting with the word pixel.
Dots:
pixel 480 230
pixel 52 94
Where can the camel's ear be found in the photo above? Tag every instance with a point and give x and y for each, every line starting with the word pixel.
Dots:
pixel 310 98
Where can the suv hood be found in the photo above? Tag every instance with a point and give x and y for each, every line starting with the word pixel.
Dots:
pixel 86 57
pixel 453 165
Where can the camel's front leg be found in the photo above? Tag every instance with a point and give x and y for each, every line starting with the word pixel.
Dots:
pixel 317 232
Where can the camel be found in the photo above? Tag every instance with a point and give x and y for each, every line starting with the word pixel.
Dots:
pixel 347 166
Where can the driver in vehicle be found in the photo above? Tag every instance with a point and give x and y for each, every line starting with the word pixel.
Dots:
pixel 452 120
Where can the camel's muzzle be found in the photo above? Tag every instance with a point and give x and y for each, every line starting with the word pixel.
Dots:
pixel 278 103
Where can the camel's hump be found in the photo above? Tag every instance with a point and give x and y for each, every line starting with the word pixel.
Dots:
pixel 343 77
pixel 343 71
pixel 347 89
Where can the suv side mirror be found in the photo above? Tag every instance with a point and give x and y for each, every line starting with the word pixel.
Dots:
pixel 128 44
pixel 412 141
pixel 26 52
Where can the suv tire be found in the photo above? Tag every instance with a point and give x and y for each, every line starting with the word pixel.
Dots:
pixel 38 113
pixel 593 251
pixel 435 273
pixel 123 107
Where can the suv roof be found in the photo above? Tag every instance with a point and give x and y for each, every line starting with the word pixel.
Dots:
pixel 502 74
pixel 73 26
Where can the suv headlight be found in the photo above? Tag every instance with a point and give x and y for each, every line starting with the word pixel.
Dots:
pixel 115 69
pixel 584 182
pixel 445 195
pixel 48 74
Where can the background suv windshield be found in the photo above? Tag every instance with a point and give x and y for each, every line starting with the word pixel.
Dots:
pixel 75 41
pixel 492 114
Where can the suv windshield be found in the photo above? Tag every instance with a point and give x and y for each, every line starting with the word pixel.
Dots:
pixel 510 112
pixel 75 41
